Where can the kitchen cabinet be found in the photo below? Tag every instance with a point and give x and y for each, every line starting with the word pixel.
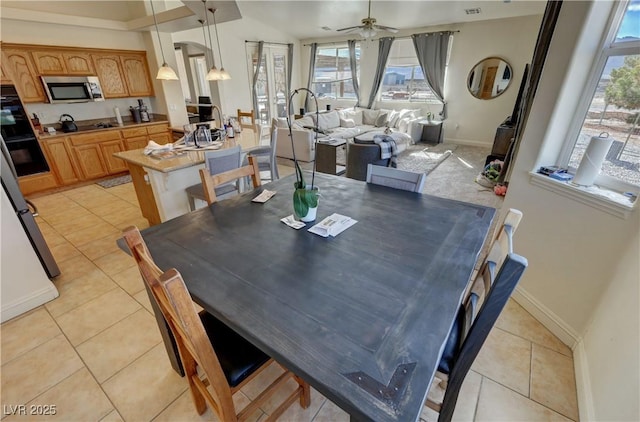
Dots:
pixel 109 71
pixel 23 74
pixel 59 157
pixel 136 75
pixel 78 64
pixel 37 182
pixel 139 137
pixel 4 76
pixel 90 161
pixel 108 148
pixel 49 62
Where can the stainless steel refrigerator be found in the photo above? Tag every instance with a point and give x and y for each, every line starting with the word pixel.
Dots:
pixel 25 211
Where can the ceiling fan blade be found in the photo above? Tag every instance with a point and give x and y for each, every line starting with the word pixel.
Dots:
pixel 386 28
pixel 349 28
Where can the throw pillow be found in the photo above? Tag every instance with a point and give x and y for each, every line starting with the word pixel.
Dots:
pixel 347 123
pixel 381 120
pixel 327 121
pixel 393 118
pixel 369 117
pixel 403 124
pixel 305 121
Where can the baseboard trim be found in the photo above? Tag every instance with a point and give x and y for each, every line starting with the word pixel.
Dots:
pixel 546 317
pixel 29 302
pixel 583 383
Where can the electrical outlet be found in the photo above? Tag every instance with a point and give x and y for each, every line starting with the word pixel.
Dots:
pixel 172 107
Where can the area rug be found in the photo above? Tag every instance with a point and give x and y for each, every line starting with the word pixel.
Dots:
pixel 424 158
pixel 114 181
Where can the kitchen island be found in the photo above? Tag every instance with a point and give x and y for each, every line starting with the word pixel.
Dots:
pixel 160 183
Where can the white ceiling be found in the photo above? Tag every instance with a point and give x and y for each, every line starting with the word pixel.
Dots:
pixel 301 18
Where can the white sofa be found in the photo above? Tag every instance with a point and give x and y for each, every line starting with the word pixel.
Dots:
pixel 345 124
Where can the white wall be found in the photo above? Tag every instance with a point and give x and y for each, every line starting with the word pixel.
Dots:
pixel 470 120
pixel 582 261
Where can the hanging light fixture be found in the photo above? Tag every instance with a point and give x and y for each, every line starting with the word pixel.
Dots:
pixel 214 74
pixel 224 75
pixel 165 72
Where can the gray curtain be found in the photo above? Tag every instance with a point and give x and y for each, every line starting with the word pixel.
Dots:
pixel 431 50
pixel 312 70
pixel 354 71
pixel 289 71
pixel 255 79
pixel 384 45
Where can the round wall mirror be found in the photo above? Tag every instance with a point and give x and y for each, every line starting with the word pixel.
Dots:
pixel 489 78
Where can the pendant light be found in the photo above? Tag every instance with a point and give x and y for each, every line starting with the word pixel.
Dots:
pixel 214 74
pixel 165 72
pixel 224 75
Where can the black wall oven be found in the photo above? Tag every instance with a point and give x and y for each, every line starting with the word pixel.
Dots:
pixel 18 135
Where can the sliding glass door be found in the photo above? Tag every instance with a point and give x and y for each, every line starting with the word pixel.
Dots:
pixel 272 81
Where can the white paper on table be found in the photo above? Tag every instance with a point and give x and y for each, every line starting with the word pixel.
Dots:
pixel 333 225
pixel 264 196
pixel 291 222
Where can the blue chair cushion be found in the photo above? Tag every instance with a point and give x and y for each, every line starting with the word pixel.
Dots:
pixel 237 356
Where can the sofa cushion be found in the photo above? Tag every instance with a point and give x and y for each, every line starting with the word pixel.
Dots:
pixel 392 118
pixel 304 121
pixel 369 117
pixel 327 121
pixel 355 115
pixel 381 120
pixel 347 123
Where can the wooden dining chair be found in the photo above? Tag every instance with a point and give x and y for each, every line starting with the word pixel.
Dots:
pixel 215 162
pixel 227 361
pixel 211 182
pixel 395 178
pixel 501 272
pixel 247 119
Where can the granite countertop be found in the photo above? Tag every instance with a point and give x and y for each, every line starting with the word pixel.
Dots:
pixel 166 165
pixel 87 126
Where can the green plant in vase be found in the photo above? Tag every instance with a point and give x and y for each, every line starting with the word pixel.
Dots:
pixel 305 197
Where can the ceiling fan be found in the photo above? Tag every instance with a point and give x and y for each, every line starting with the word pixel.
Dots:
pixel 369 28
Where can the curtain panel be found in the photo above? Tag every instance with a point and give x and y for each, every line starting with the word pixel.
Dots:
pixel 384 46
pixel 255 79
pixel 354 69
pixel 312 71
pixel 289 68
pixel 431 49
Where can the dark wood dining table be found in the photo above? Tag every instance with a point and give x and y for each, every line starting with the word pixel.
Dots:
pixel 363 316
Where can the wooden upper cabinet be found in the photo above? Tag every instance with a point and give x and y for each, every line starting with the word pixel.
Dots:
pixel 109 71
pixel 5 77
pixel 136 74
pixel 49 62
pixel 24 75
pixel 78 64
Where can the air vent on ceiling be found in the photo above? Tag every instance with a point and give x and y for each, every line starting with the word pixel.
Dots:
pixel 474 11
pixel 326 28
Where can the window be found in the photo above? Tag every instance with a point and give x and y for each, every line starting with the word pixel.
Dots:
pixel 403 78
pixel 182 74
pixel 332 76
pixel 199 70
pixel 614 105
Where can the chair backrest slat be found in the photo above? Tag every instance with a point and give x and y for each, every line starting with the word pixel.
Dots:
pixel 210 182
pixel 395 178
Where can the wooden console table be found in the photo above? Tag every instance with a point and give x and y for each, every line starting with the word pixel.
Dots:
pixel 326 157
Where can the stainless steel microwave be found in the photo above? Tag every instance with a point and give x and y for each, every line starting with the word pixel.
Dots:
pixel 72 89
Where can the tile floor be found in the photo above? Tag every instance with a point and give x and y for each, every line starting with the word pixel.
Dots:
pixel 96 354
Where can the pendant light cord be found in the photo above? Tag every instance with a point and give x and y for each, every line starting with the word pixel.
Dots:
pixel 157 31
pixel 204 35
pixel 215 26
pixel 206 16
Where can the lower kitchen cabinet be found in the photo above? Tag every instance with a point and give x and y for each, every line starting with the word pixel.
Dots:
pixel 108 148
pixel 58 155
pixel 90 161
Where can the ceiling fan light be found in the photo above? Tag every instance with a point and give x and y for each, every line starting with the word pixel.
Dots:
pixel 368 33
pixel 166 73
